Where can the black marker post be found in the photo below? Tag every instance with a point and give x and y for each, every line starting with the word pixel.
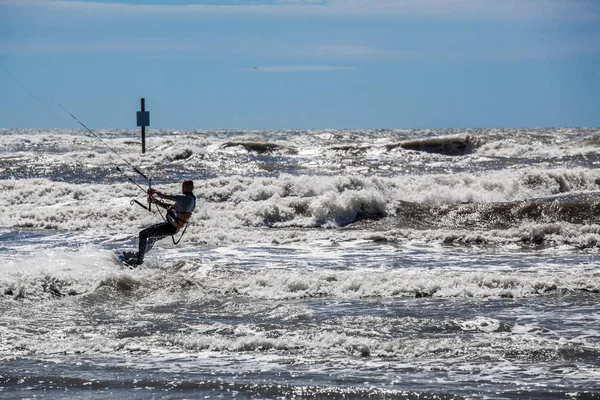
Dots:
pixel 143 120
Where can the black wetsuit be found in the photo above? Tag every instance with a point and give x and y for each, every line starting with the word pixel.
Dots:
pixel 150 235
pixel 183 203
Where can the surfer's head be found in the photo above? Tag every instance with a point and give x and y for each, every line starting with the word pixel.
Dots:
pixel 187 187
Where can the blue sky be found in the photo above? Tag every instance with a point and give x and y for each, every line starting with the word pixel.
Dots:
pixel 301 64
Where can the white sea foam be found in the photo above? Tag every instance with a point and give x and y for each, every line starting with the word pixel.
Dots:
pixel 49 273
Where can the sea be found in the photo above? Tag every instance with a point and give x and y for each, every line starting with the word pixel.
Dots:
pixel 318 264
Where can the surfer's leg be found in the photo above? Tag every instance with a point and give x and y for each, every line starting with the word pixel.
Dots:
pixel 150 235
pixel 143 247
pixel 150 243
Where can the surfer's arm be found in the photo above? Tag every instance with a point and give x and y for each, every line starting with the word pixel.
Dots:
pixel 152 199
pixel 162 195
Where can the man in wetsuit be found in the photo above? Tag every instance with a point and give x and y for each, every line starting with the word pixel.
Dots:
pixel 178 213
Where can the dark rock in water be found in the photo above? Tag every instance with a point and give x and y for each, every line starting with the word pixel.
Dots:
pixel 449 146
pixel 258 147
pixel 183 155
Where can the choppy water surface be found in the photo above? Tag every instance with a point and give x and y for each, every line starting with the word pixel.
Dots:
pixel 401 264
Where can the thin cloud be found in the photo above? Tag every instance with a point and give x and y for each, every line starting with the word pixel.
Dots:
pixel 351 51
pixel 337 52
pixel 514 10
pixel 298 68
pixel 99 46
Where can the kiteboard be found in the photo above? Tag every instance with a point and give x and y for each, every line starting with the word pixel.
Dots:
pixel 126 259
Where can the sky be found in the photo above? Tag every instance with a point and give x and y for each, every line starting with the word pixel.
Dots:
pixel 300 64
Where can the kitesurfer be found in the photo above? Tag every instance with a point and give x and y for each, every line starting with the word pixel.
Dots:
pixel 178 213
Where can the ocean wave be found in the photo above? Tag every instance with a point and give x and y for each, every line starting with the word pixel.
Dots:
pixel 94 272
pixel 228 206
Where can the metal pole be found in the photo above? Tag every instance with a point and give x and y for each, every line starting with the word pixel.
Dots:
pixel 143 127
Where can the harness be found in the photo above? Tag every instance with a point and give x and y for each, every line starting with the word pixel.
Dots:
pixel 179 219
